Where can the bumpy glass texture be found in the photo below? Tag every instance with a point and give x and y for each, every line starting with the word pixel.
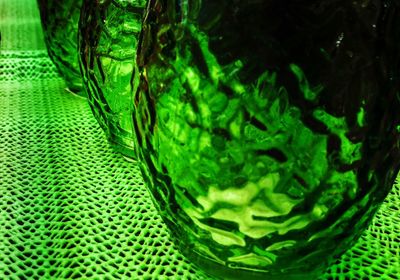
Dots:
pixel 268 130
pixel 60 26
pixel 108 37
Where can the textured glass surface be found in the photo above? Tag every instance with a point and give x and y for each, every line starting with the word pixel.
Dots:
pixel 108 36
pixel 60 27
pixel 268 129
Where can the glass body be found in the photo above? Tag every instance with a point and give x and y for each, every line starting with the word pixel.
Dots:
pixel 108 36
pixel 268 130
pixel 60 26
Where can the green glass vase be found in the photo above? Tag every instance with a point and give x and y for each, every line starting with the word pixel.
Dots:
pixel 268 130
pixel 60 27
pixel 108 36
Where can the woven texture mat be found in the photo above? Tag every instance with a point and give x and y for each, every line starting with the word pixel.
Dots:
pixel 70 207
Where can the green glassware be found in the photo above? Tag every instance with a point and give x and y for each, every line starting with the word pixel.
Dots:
pixel 268 130
pixel 108 36
pixel 60 26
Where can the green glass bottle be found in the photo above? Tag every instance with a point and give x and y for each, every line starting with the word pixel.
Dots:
pixel 268 130
pixel 60 27
pixel 108 36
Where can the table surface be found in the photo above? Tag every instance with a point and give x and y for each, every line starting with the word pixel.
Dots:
pixel 71 207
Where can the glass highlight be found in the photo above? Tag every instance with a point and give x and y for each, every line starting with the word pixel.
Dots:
pixel 108 40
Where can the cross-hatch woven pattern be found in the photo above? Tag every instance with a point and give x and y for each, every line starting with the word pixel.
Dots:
pixel 70 207
pixel 31 65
